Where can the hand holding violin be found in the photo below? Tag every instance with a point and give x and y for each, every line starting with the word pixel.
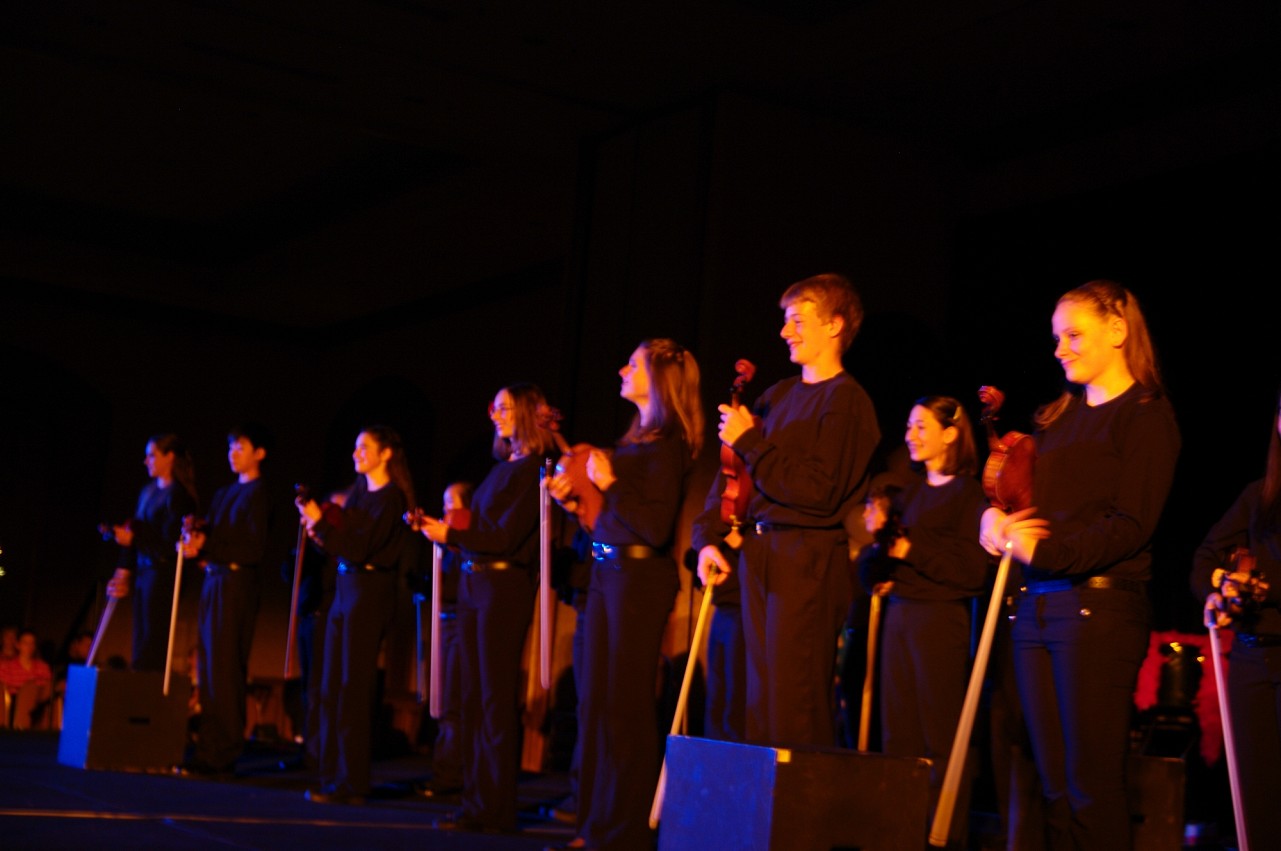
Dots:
pixel 122 534
pixel 561 488
pixel 433 528
pixel 308 510
pixel 735 421
pixel 600 470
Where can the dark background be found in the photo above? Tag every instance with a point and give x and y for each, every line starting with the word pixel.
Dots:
pixel 322 217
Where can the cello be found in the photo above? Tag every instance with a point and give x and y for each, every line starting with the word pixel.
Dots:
pixel 737 490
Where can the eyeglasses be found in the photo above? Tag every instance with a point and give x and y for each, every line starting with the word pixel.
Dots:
pixel 499 410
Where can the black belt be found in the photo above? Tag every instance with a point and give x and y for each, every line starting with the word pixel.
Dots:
pixel 470 566
pixel 1254 639
pixel 1114 583
pixel 602 552
pixel 346 567
pixel 761 527
pixel 221 567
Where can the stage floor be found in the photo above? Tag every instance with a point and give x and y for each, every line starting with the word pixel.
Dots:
pixel 47 805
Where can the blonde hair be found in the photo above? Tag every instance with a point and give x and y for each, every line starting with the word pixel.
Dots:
pixel 1108 299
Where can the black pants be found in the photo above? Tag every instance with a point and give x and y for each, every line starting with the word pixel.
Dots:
pixel 152 607
pixel 1076 656
pixel 495 608
pixel 228 611
pixel 796 591
pixel 358 618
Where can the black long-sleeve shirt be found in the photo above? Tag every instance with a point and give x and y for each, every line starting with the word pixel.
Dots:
pixel 945 561
pixel 237 525
pixel 504 515
pixel 642 505
pixel 372 529
pixel 157 524
pixel 1241 526
pixel 807 457
pixel 1102 477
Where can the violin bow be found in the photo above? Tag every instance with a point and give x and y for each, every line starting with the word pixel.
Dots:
pixel 942 824
pixel 173 614
pixel 678 719
pixel 435 690
pixel 102 629
pixel 545 612
pixel 1229 739
pixel 873 631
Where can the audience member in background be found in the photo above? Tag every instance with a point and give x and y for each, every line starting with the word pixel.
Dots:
pixel 9 642
pixel 27 681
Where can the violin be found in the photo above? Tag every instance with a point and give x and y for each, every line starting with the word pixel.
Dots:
pixel 573 463
pixel 737 490
pixel 455 518
pixel 1007 475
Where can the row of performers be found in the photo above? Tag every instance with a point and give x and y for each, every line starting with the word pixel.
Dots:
pixel 794 466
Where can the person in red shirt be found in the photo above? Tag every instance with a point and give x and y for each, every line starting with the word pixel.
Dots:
pixel 27 681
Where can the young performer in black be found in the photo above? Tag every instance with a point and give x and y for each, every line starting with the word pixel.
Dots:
pixel 496 605
pixel 316 589
pixel 932 572
pixel 369 538
pixel 447 750
pixel 1105 456
pixel 634 582
pixel 149 548
pixel 806 446
pixel 1247 597
pixel 231 547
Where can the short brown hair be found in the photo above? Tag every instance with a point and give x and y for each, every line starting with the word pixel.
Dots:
pixel 832 295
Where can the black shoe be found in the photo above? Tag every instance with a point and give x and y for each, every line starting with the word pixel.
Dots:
pixel 318 796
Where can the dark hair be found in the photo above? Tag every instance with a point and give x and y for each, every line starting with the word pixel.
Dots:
pixel 465 490
pixel 884 492
pixel 1110 299
pixel 675 398
pixel 962 454
pixel 184 466
pixel 529 434
pixel 832 295
pixel 258 435
pixel 397 466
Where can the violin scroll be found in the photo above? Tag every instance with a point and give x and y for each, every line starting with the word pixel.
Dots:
pixel 1007 475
